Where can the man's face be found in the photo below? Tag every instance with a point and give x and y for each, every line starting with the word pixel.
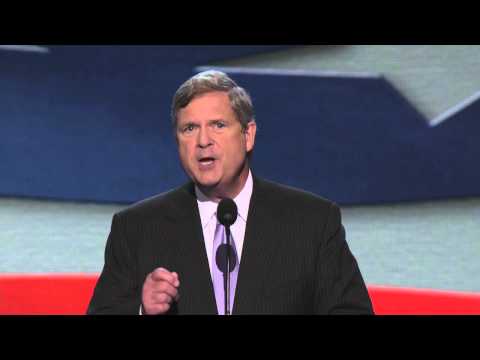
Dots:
pixel 212 144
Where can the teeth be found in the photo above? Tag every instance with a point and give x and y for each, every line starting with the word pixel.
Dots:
pixel 206 162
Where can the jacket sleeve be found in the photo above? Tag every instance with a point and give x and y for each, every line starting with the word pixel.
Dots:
pixel 340 287
pixel 117 291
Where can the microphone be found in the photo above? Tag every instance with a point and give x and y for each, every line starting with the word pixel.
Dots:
pixel 225 258
pixel 227 212
pixel 222 256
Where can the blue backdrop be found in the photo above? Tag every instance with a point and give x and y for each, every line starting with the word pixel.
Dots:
pixel 92 123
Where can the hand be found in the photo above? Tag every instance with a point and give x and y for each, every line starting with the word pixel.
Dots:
pixel 160 289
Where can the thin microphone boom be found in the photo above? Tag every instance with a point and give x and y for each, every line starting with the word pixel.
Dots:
pixel 226 275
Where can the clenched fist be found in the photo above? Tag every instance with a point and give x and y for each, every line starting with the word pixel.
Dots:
pixel 160 289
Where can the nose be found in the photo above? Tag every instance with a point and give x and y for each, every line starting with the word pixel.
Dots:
pixel 204 140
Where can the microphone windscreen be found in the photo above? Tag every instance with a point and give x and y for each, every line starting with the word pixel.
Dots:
pixel 221 258
pixel 227 212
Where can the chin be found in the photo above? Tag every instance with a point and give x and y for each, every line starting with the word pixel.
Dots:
pixel 207 182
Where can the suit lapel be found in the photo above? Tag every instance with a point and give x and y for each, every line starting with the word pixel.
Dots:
pixel 196 289
pixel 258 248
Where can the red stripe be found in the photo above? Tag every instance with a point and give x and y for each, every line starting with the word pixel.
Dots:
pixel 69 294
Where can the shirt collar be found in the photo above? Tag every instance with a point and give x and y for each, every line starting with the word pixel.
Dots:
pixel 208 208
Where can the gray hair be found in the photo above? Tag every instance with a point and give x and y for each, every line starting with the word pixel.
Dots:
pixel 213 80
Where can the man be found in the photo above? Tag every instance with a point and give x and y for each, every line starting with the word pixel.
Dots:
pixel 289 245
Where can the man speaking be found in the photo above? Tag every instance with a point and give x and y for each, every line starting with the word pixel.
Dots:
pixel 227 242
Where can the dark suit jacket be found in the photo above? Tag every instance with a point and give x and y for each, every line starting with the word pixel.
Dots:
pixel 295 258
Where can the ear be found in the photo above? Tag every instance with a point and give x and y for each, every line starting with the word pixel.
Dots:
pixel 250 132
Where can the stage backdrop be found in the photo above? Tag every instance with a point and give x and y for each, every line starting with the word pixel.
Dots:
pixel 91 123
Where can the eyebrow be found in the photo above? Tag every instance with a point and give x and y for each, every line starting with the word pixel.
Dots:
pixel 186 122
pixel 195 122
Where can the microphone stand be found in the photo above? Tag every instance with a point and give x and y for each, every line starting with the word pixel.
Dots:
pixel 226 275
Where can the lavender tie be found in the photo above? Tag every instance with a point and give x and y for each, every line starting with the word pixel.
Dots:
pixel 217 274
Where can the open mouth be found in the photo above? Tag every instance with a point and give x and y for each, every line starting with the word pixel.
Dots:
pixel 206 161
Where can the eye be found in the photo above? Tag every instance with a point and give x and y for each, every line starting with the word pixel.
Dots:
pixel 188 128
pixel 219 124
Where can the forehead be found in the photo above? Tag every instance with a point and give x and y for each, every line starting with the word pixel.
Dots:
pixel 208 106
